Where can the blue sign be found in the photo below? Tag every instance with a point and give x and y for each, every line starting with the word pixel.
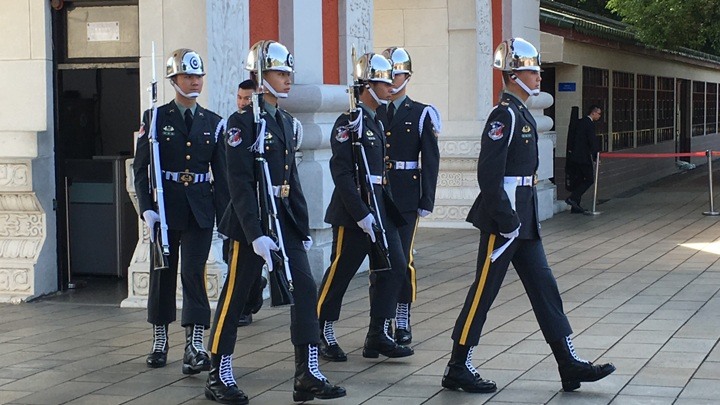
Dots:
pixel 566 86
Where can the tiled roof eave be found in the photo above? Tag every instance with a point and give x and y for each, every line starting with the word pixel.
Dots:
pixel 551 14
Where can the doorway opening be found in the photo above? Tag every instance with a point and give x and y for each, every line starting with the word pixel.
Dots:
pixel 97 110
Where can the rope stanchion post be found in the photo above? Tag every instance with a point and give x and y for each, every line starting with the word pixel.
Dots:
pixel 712 211
pixel 595 187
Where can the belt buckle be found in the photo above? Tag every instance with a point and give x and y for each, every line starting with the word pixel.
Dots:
pixel 285 191
pixel 187 177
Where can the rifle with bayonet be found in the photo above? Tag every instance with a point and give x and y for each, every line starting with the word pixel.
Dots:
pixel 160 245
pixel 280 278
pixel 379 252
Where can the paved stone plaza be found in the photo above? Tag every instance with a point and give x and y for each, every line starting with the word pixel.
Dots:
pixel 640 284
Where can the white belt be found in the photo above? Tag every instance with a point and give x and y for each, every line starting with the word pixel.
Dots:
pixel 281 191
pixel 400 165
pixel 375 179
pixel 528 181
pixel 186 177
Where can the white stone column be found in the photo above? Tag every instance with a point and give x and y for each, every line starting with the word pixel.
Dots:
pixel 546 190
pixel 316 105
pixel 356 28
pixel 28 250
pixel 521 18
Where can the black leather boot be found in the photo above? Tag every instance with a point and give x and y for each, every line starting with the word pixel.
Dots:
pixel 461 375
pixel 309 381
pixel 329 348
pixel 196 358
pixel 221 385
pixel 403 334
pixel 378 341
pixel 158 357
pixel 574 370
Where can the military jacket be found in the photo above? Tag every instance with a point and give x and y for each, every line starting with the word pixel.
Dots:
pixel 181 151
pixel 508 147
pixel 346 205
pixel 241 220
pixel 413 188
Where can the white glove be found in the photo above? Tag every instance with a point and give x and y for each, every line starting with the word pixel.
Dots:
pixel 513 234
pixel 151 218
pixel 262 247
pixel 423 213
pixel 307 244
pixel 366 225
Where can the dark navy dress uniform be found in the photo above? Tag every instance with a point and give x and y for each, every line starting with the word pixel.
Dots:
pixel 509 159
pixel 192 204
pixel 350 244
pixel 241 223
pixel 409 150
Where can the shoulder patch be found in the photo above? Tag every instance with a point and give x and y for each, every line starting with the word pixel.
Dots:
pixel 233 137
pixel 496 130
pixel 343 134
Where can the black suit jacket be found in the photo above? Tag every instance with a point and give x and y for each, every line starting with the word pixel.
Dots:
pixel 508 147
pixel 196 151
pixel 241 220
pixel 412 189
pixel 584 142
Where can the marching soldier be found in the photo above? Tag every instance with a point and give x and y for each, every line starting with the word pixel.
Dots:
pixel 190 144
pixel 353 222
pixel 411 128
pixel 506 214
pixel 255 298
pixel 251 248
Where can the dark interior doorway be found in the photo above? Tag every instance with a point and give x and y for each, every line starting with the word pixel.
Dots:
pixel 97 110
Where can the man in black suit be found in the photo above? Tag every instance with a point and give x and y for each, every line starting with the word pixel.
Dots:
pixel 413 160
pixel 582 151
pixel 190 146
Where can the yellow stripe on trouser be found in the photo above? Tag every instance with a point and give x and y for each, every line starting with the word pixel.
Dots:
pixel 411 264
pixel 232 271
pixel 478 291
pixel 333 267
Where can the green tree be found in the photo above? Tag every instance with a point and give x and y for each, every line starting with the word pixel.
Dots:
pixel 693 24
